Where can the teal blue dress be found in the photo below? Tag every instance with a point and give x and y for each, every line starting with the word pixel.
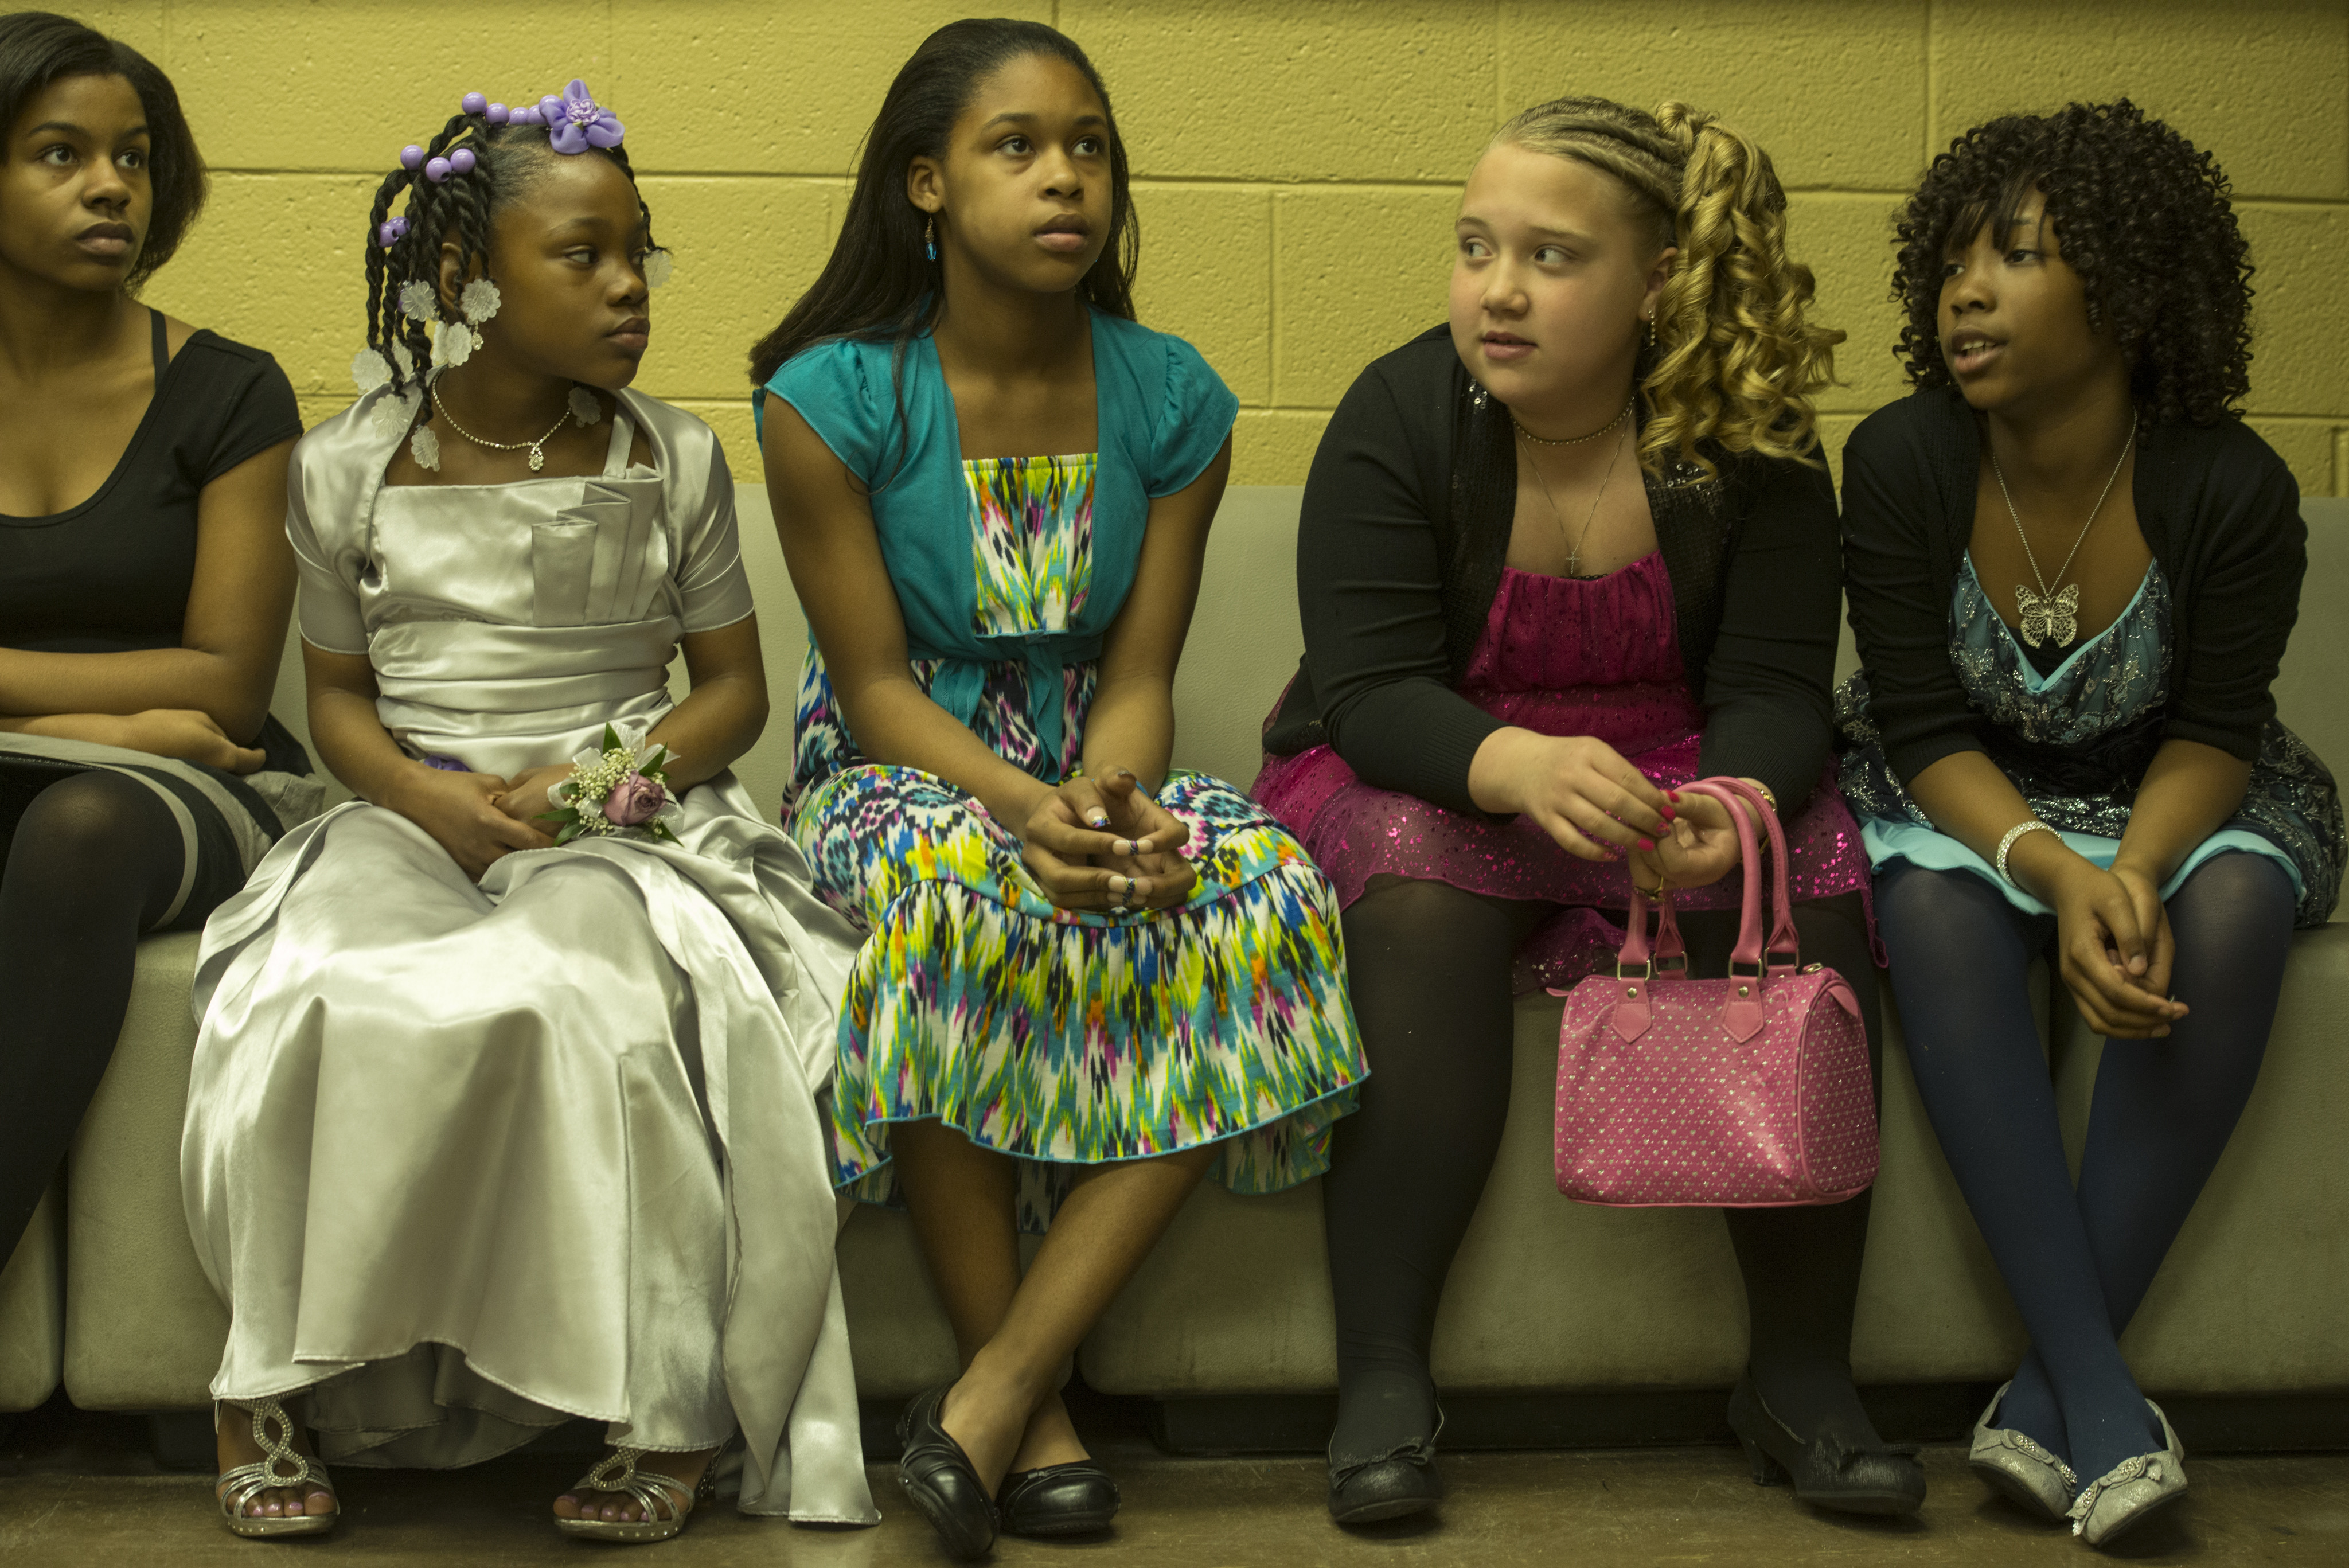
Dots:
pixel 1062 1037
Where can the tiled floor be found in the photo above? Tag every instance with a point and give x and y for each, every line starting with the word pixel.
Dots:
pixel 1592 1510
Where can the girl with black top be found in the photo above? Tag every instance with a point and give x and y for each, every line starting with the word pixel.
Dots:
pixel 144 578
pixel 2074 570
pixel 1572 551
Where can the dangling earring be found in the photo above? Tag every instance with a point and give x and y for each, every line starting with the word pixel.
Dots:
pixel 1651 332
pixel 930 239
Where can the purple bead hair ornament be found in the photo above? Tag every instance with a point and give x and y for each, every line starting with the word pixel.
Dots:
pixel 412 156
pixel 462 160
pixel 390 231
pixel 473 103
pixel 495 114
pixel 576 122
pixel 437 170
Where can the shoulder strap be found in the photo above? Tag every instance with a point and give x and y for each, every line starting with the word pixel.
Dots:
pixel 162 344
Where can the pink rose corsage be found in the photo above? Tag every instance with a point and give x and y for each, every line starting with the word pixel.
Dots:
pixel 619 789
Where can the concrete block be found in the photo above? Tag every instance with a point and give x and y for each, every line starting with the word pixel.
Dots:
pixel 746 250
pixel 2263 85
pixel 364 77
pixel 1834 430
pixel 751 85
pixel 2305 446
pixel 1313 89
pixel 1834 94
pixel 1275 446
pixel 1356 271
pixel 277 262
pixel 1847 241
pixel 2300 316
pixel 1206 276
pixel 137 22
pixel 2341 464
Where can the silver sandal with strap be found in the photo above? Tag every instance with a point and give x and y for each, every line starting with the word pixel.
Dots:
pixel 279 1468
pixel 651 1490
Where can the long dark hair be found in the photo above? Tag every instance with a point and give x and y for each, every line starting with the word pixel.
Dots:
pixel 36 48
pixel 506 161
pixel 878 284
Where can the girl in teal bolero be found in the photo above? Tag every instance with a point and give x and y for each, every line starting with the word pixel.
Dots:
pixel 1087 979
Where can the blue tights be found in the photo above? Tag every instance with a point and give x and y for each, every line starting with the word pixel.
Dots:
pixel 2077 1263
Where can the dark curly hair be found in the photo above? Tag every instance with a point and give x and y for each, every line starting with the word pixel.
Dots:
pixel 2145 220
pixel 38 47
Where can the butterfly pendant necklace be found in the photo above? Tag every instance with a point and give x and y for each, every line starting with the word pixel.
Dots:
pixel 2049 617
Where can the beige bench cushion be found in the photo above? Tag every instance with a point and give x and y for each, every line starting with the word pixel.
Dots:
pixel 143 1330
pixel 33 1310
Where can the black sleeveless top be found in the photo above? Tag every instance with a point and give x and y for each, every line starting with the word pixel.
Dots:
pixel 113 574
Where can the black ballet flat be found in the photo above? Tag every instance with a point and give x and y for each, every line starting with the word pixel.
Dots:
pixel 1884 1479
pixel 940 1478
pixel 1387 1487
pixel 1075 1498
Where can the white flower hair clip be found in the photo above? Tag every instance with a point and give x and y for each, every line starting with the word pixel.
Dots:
pixel 584 406
pixel 480 301
pixel 658 265
pixel 416 301
pixel 452 345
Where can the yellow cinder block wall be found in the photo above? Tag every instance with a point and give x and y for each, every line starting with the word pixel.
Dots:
pixel 1298 161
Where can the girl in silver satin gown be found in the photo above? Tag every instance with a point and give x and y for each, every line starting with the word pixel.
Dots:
pixel 484 1133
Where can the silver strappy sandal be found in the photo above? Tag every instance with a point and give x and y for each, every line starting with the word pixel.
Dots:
pixel 651 1491
pixel 279 1467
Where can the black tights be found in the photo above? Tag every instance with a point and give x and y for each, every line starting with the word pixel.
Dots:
pixel 2078 1262
pixel 85 865
pixel 1430 977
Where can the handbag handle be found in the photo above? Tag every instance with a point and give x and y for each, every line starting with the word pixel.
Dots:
pixel 1783 937
pixel 1636 952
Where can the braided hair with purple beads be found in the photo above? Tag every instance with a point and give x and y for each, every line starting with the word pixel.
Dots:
pixel 486 158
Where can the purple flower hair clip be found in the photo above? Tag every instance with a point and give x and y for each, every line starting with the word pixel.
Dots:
pixel 576 122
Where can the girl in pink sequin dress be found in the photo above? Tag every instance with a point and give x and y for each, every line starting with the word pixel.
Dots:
pixel 1557 558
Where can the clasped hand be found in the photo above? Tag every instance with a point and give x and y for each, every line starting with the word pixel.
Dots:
pixel 1104 843
pixel 2114 949
pixel 478 818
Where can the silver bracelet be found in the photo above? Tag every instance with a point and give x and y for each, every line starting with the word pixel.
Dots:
pixel 2032 824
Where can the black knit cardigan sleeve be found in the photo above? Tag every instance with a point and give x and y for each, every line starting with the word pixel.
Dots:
pixel 2218 508
pixel 1400 549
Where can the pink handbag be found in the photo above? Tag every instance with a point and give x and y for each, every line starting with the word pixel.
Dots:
pixel 1748 1092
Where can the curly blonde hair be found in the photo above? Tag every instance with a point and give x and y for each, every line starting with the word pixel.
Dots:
pixel 1735 362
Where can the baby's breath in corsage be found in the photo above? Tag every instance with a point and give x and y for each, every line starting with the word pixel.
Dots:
pixel 615 790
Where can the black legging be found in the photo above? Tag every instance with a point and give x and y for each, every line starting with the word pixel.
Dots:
pixel 85 865
pixel 1430 978
pixel 2077 1263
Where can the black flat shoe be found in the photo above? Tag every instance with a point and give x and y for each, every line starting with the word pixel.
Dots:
pixel 938 1477
pixel 1073 1498
pixel 1884 1479
pixel 1387 1487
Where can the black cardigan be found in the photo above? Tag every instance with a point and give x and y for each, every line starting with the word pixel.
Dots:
pixel 1400 551
pixel 2217 509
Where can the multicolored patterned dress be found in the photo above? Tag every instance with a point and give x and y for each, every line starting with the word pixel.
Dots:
pixel 1063 1037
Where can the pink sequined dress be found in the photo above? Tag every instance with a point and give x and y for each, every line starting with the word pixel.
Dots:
pixel 1561 656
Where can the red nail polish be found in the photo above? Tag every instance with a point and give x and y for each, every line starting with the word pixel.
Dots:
pixel 1646 844
pixel 1673 795
pixel 1670 814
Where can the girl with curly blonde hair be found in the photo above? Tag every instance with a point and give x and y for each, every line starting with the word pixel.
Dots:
pixel 1559 556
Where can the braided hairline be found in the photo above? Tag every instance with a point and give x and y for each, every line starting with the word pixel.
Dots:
pixel 1735 361
pixel 2144 220
pixel 467 204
